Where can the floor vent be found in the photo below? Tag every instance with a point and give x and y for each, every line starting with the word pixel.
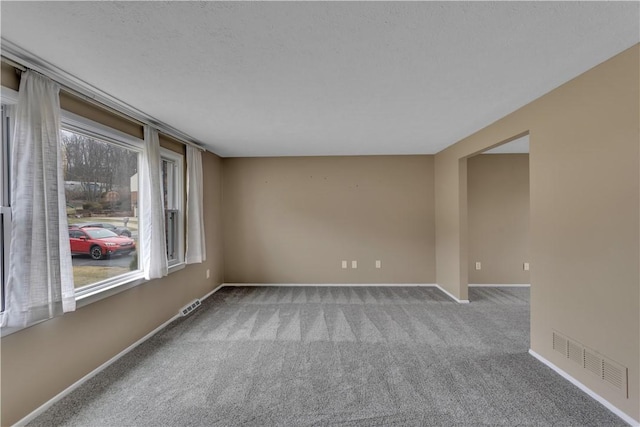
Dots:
pixel 605 369
pixel 190 307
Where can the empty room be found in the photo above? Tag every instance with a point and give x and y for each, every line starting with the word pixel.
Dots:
pixel 320 213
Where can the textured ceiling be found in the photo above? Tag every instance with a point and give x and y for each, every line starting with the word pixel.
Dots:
pixel 323 78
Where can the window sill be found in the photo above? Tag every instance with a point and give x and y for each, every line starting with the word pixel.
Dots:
pixel 89 296
pixel 177 267
pixel 106 291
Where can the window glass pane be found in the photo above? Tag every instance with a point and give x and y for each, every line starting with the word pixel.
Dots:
pixel 4 157
pixel 171 214
pixel 168 183
pixel 165 181
pixel 101 188
pixel 5 212
pixel 171 233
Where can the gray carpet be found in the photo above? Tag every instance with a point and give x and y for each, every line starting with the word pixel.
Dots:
pixel 296 356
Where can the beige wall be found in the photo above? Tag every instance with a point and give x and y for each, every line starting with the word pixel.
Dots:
pixel 498 218
pixel 107 117
pixel 584 217
pixel 41 361
pixel 8 76
pixel 294 219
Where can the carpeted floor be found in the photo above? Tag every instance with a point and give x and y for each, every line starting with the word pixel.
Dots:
pixel 388 356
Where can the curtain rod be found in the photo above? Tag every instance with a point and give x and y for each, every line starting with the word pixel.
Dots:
pixel 83 96
pixel 16 57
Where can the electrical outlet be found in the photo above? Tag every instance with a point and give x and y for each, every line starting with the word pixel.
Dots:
pixel 344 264
pixel 354 264
pixel 208 273
pixel 378 264
pixel 525 266
pixel 478 265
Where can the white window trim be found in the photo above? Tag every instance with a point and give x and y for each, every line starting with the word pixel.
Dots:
pixel 97 130
pixel 108 287
pixel 179 200
pixel 7 97
pixel 84 126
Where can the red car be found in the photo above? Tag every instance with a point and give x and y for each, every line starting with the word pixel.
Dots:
pixel 99 242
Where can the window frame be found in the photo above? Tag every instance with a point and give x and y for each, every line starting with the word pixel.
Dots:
pixel 8 98
pixel 108 287
pixel 74 123
pixel 177 203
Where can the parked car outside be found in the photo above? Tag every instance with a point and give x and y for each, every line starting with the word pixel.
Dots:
pixel 99 243
pixel 120 231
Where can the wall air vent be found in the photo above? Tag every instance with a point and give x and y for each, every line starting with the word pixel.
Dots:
pixel 559 343
pixel 606 370
pixel 615 375
pixel 189 307
pixel 574 352
pixel 593 363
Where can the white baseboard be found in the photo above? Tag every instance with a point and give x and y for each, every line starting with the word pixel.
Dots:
pixel 453 297
pixel 33 415
pixel 626 418
pixel 424 285
pixel 501 285
pixel 208 294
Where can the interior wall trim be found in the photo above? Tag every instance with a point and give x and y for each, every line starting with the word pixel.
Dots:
pixel 500 285
pixel 626 418
pixel 33 415
pixel 424 285
pixel 453 297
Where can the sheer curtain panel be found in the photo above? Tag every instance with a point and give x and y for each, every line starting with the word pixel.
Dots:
pixel 196 247
pixel 153 242
pixel 40 280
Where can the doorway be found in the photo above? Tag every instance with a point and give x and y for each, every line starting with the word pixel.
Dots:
pixel 498 218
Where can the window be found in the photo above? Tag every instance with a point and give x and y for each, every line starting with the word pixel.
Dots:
pixel 172 183
pixel 100 168
pixel 5 211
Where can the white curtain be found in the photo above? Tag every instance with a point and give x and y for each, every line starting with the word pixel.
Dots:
pixel 196 245
pixel 40 280
pixel 154 245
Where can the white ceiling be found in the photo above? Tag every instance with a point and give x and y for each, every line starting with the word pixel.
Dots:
pixel 323 78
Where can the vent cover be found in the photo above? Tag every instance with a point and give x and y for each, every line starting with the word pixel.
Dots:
pixel 574 352
pixel 615 375
pixel 190 307
pixel 593 363
pixel 559 343
pixel 606 370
